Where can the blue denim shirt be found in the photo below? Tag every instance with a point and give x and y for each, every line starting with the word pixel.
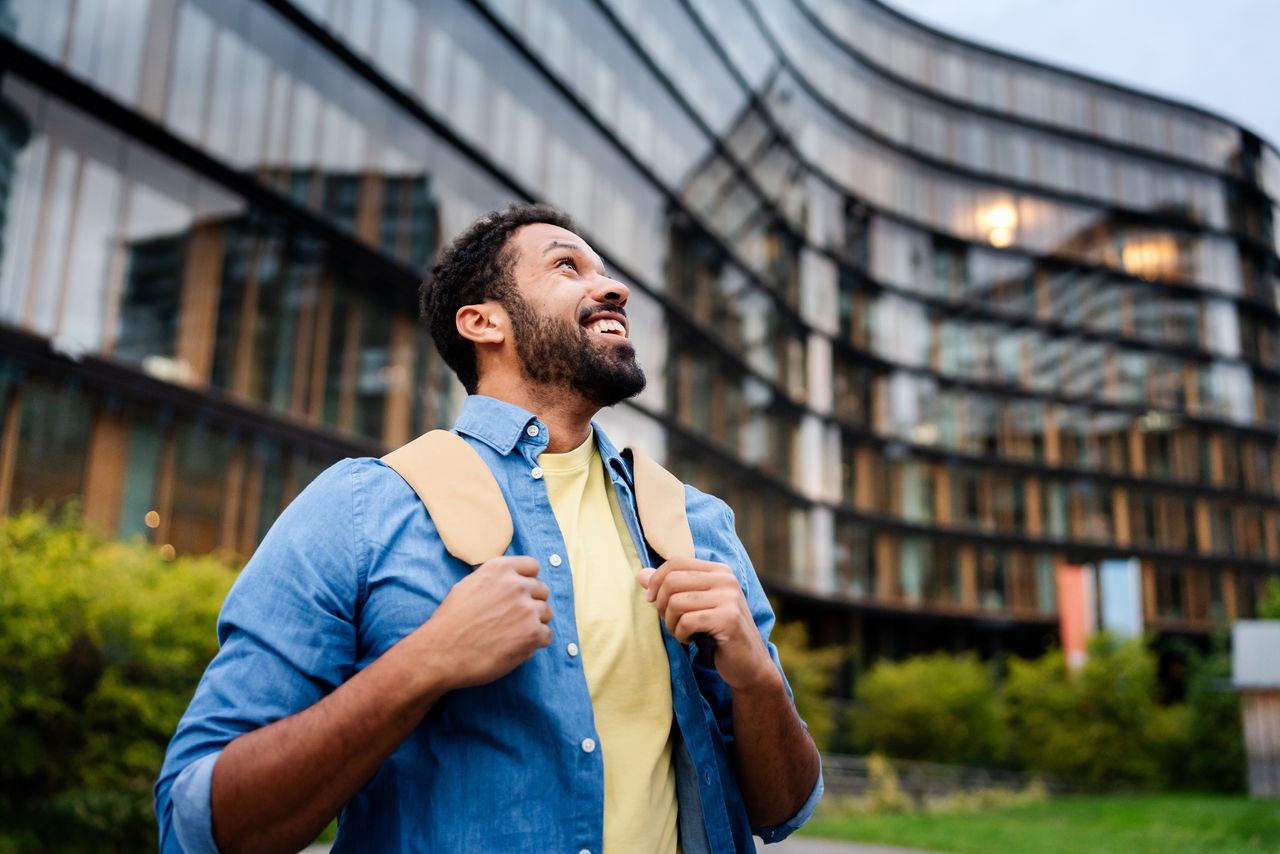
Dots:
pixel 354 565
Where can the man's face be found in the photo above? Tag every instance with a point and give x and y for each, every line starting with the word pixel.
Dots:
pixel 569 319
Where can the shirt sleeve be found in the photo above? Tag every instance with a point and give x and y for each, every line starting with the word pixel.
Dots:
pixel 764 618
pixel 287 638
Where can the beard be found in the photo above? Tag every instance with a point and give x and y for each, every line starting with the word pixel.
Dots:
pixel 557 355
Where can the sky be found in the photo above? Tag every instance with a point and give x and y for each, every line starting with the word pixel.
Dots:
pixel 1217 54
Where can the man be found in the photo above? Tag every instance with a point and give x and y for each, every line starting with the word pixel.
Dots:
pixel 544 701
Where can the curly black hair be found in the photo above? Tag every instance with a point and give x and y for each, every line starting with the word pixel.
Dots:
pixel 474 268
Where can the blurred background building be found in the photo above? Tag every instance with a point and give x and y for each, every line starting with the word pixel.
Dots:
pixel 935 320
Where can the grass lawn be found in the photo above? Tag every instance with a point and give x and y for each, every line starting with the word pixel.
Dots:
pixel 1123 824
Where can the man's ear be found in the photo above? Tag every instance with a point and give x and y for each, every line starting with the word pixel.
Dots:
pixel 483 323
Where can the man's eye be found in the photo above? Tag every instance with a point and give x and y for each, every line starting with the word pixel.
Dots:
pixel 567 262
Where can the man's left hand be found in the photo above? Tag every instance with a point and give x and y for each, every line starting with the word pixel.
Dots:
pixel 700 597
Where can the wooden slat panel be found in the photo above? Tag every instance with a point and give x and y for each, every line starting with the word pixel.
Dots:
pixel 395 428
pixel 369 207
pixel 1148 591
pixel 252 507
pixel 232 506
pixel 886 566
pixel 942 493
pixel 1261 713
pixel 164 488
pixel 968 576
pixel 1052 446
pixel 1120 514
pixel 9 448
pixel 320 350
pixel 108 461
pixel 1204 530
pixel 1229 606
pixel 241 383
pixel 350 359
pixel 198 318
pixel 1035 506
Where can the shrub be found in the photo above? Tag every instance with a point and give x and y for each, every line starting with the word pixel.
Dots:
pixel 101 647
pixel 1269 607
pixel 1215 750
pixel 937 707
pixel 811 673
pixel 1101 726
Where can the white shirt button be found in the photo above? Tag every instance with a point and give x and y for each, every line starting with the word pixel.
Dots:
pixel 584 851
pixel 532 429
pixel 555 560
pixel 588 745
pixel 572 649
pixel 536 474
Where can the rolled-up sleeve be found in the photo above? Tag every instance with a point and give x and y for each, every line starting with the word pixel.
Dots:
pixel 713 523
pixel 286 638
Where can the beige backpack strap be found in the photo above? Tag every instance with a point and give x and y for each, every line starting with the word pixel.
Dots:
pixel 660 503
pixel 664 522
pixel 459 492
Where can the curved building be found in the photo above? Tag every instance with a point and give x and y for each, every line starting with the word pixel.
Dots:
pixel 934 319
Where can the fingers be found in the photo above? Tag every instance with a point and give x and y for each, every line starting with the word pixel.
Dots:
pixel 544 613
pixel 539 590
pixel 691 623
pixel 526 566
pixel 652 579
pixel 684 582
pixel 679 604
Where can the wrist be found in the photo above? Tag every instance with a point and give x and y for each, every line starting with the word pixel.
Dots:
pixel 764 679
pixel 425 666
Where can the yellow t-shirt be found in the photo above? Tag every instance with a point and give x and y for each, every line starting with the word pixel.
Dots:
pixel 622 654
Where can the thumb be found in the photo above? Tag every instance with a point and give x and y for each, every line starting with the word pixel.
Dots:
pixel 644 576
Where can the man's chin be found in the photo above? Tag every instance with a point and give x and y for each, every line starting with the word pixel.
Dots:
pixel 610 390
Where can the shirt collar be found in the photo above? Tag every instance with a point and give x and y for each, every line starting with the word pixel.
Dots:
pixel 495 422
pixel 501 425
pixel 610 455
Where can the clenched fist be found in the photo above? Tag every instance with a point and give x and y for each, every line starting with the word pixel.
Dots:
pixel 491 622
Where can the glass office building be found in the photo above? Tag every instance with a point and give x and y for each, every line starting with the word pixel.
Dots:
pixel 935 320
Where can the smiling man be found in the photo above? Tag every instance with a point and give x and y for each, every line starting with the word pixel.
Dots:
pixel 546 700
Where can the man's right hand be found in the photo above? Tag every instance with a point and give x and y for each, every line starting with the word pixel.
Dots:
pixel 276 787
pixel 491 622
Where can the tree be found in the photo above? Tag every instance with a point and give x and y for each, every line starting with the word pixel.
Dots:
pixel 101 647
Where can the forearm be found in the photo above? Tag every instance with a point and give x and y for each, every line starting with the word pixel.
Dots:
pixel 776 760
pixel 275 789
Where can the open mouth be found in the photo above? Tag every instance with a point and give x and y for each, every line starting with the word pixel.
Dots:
pixel 607 326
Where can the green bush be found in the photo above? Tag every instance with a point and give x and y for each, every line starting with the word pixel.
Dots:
pixel 1269 607
pixel 1101 726
pixel 101 647
pixel 1215 750
pixel 811 673
pixel 936 707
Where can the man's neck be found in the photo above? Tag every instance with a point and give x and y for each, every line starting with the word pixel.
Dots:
pixel 567 416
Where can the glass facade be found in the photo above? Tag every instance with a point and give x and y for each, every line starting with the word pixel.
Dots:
pixel 934 320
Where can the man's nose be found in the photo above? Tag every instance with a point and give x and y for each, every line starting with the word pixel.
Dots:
pixel 609 290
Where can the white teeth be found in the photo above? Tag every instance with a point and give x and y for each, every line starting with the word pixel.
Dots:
pixel 606 325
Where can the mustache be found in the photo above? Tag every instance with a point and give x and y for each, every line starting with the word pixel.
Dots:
pixel 586 314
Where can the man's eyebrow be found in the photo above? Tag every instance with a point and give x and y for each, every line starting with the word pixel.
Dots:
pixel 561 244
